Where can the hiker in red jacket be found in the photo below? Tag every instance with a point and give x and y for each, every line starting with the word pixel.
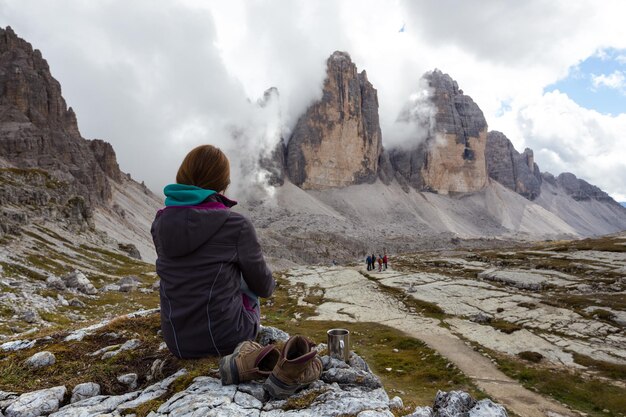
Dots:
pixel 385 261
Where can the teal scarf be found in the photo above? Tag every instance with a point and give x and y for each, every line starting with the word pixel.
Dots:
pixel 185 195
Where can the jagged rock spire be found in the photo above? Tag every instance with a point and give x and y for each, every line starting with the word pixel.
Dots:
pixel 337 142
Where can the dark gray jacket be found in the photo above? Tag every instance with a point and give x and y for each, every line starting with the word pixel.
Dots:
pixel 203 252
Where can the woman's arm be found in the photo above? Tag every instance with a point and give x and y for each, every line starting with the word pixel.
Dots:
pixel 250 259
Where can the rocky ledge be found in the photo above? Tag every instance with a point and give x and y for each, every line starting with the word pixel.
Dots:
pixel 344 389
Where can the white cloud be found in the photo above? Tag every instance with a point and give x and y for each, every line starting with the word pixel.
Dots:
pixel 615 80
pixel 158 77
pixel 570 138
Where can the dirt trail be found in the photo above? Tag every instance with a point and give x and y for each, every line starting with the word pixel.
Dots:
pixel 363 300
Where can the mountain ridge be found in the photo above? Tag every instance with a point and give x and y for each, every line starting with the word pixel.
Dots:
pixel 48 171
pixel 440 188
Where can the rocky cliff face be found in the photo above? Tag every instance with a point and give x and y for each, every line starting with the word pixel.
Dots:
pixel 337 142
pixel 516 171
pixel 48 172
pixel 38 130
pixel 452 159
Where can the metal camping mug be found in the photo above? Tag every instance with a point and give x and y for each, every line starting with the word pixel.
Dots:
pixel 339 344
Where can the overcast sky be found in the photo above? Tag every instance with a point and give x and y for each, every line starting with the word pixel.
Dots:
pixel 156 78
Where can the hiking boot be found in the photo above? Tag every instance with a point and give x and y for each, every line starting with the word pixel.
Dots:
pixel 248 361
pixel 297 367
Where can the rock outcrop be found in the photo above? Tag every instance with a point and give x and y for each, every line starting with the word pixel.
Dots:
pixel 38 130
pixel 337 142
pixel 578 189
pixel 345 388
pixel 452 158
pixel 516 171
pixel 47 170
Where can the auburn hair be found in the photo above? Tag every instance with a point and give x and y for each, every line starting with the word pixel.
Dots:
pixel 206 166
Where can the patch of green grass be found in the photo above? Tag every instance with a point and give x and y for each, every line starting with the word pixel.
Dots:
pixel 531 356
pixel 603 314
pixel 48 263
pixel 604 244
pixel 504 326
pixel 607 369
pixel 74 365
pixel 16 270
pixel 302 401
pixel 53 234
pixel 578 303
pixel 37 237
pixel 589 395
pixel 56 318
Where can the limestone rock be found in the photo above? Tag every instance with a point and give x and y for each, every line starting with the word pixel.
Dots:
pixel 337 142
pixel 129 380
pixel 37 403
pixel 55 283
pixel 41 359
pixel 128 284
pixel 421 412
pixel 111 351
pixel 452 158
pixel 75 302
pixel 17 345
pixel 487 408
pixel 268 334
pixel 351 376
pixel 85 390
pixel 79 281
pixel 130 249
pixel 30 316
pixel 516 171
pixel 453 403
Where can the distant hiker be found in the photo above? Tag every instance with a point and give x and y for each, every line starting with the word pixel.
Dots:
pixel 209 261
pixel 369 262
pixel 385 261
pixel 380 263
pixel 373 261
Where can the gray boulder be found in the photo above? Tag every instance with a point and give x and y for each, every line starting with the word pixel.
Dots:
pixel 130 380
pixel 487 408
pixel 41 359
pixel 37 403
pixel 269 335
pixel 86 390
pixel 79 281
pixel 55 283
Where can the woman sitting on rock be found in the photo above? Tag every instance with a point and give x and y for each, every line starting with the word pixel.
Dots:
pixel 209 261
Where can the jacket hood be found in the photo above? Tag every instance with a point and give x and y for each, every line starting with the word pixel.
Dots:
pixel 180 230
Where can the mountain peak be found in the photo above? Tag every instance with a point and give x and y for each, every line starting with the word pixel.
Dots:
pixel 29 87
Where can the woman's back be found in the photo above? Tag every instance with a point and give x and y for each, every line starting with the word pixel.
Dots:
pixel 203 252
pixel 209 261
